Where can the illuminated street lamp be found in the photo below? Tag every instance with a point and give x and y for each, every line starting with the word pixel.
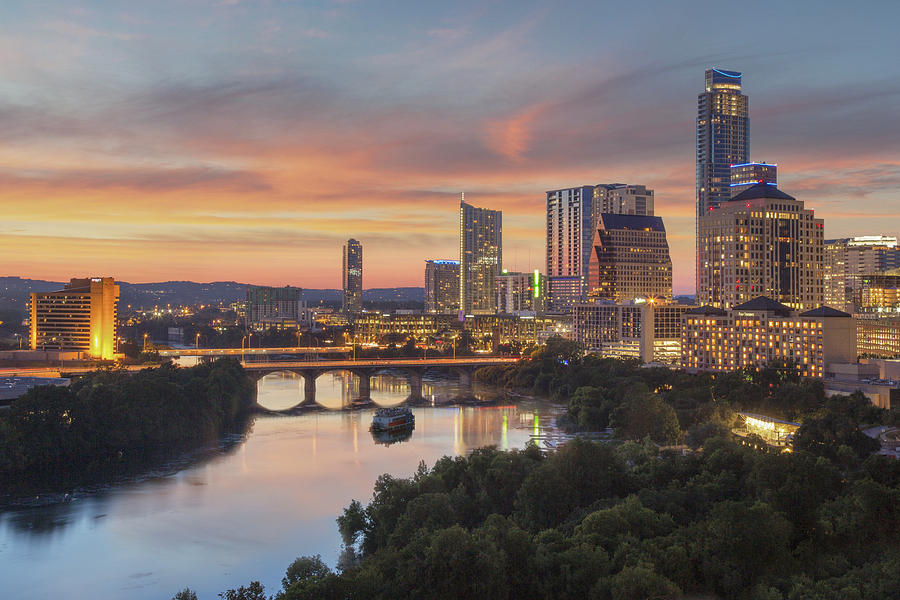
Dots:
pixel 197 343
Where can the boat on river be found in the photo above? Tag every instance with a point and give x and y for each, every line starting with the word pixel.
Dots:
pixel 389 419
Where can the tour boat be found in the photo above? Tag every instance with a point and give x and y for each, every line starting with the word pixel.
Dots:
pixel 386 419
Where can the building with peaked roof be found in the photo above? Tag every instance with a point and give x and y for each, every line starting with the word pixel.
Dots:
pixel 762 242
pixel 629 259
pixel 763 331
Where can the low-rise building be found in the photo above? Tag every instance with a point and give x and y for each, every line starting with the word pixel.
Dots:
pixel 649 330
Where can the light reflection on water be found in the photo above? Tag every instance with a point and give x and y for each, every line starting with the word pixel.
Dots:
pixel 246 514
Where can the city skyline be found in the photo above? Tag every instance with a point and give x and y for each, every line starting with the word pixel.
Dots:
pixel 148 143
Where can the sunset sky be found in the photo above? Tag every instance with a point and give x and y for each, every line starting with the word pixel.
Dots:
pixel 247 140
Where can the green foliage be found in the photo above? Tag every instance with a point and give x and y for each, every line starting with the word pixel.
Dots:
pixel 592 520
pixel 644 414
pixel 110 414
pixel 185 594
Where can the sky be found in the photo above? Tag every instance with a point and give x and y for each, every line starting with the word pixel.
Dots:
pixel 212 140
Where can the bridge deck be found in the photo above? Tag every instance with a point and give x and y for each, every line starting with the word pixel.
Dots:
pixel 380 363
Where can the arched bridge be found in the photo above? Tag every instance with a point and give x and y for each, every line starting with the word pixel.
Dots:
pixel 364 369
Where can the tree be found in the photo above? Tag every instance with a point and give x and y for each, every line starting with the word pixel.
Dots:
pixel 254 591
pixel 185 594
pixel 644 413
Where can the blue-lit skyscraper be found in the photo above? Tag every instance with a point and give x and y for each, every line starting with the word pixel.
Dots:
pixel 723 139
pixel 746 175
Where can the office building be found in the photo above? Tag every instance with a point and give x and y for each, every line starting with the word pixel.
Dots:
pixel 81 317
pixel 442 286
pixel 480 257
pixel 352 278
pixel 572 216
pixel 630 259
pixel 520 293
pixel 848 260
pixel 723 139
pixel 878 294
pixel 762 331
pixel 649 331
pixel 762 242
pixel 745 175
pixel 278 307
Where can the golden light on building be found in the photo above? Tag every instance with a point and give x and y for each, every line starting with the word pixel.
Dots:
pixel 81 317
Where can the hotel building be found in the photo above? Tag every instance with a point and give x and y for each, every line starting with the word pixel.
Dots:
pixel 629 259
pixel 758 332
pixel 441 286
pixel 278 307
pixel 81 317
pixel 762 242
pixel 480 257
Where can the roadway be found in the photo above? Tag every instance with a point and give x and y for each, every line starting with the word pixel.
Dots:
pixel 254 351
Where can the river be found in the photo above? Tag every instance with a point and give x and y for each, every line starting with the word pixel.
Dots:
pixel 244 511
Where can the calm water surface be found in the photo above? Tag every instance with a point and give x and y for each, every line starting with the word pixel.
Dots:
pixel 245 513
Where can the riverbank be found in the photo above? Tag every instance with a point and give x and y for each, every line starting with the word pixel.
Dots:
pixel 112 422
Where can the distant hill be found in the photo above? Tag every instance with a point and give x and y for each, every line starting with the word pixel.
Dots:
pixel 15 292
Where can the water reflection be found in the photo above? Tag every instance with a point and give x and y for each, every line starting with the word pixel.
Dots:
pixel 242 515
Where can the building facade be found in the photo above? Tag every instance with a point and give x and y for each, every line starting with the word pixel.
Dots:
pixel 763 331
pixel 352 278
pixel 278 307
pixel 623 199
pixel 630 259
pixel 480 257
pixel 646 330
pixel 745 175
pixel 762 242
pixel 848 260
pixel 442 286
pixel 723 139
pixel 570 226
pixel 520 292
pixel 81 317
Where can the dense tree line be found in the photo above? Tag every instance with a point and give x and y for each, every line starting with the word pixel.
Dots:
pixel 672 406
pixel 617 522
pixel 111 415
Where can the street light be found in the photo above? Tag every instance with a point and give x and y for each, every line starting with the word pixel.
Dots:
pixel 243 339
pixel 146 335
pixel 197 342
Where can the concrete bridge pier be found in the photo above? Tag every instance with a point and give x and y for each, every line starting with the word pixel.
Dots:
pixel 414 378
pixel 365 390
pixel 309 387
pixel 465 383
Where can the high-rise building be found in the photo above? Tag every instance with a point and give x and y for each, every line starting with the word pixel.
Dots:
pixel 572 215
pixel 480 257
pixel 570 227
pixel 746 175
pixel 441 286
pixel 278 307
pixel 623 199
pixel 352 278
pixel 723 139
pixel 520 292
pixel 80 317
pixel 762 242
pixel 848 260
pixel 630 259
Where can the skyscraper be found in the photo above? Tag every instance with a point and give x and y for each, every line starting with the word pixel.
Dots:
pixel 480 257
pixel 352 278
pixel 847 260
pixel 723 139
pixel 762 242
pixel 441 286
pixel 572 215
pixel 630 259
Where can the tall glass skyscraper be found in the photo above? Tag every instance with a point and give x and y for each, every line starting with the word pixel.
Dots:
pixel 480 257
pixel 723 139
pixel 352 278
